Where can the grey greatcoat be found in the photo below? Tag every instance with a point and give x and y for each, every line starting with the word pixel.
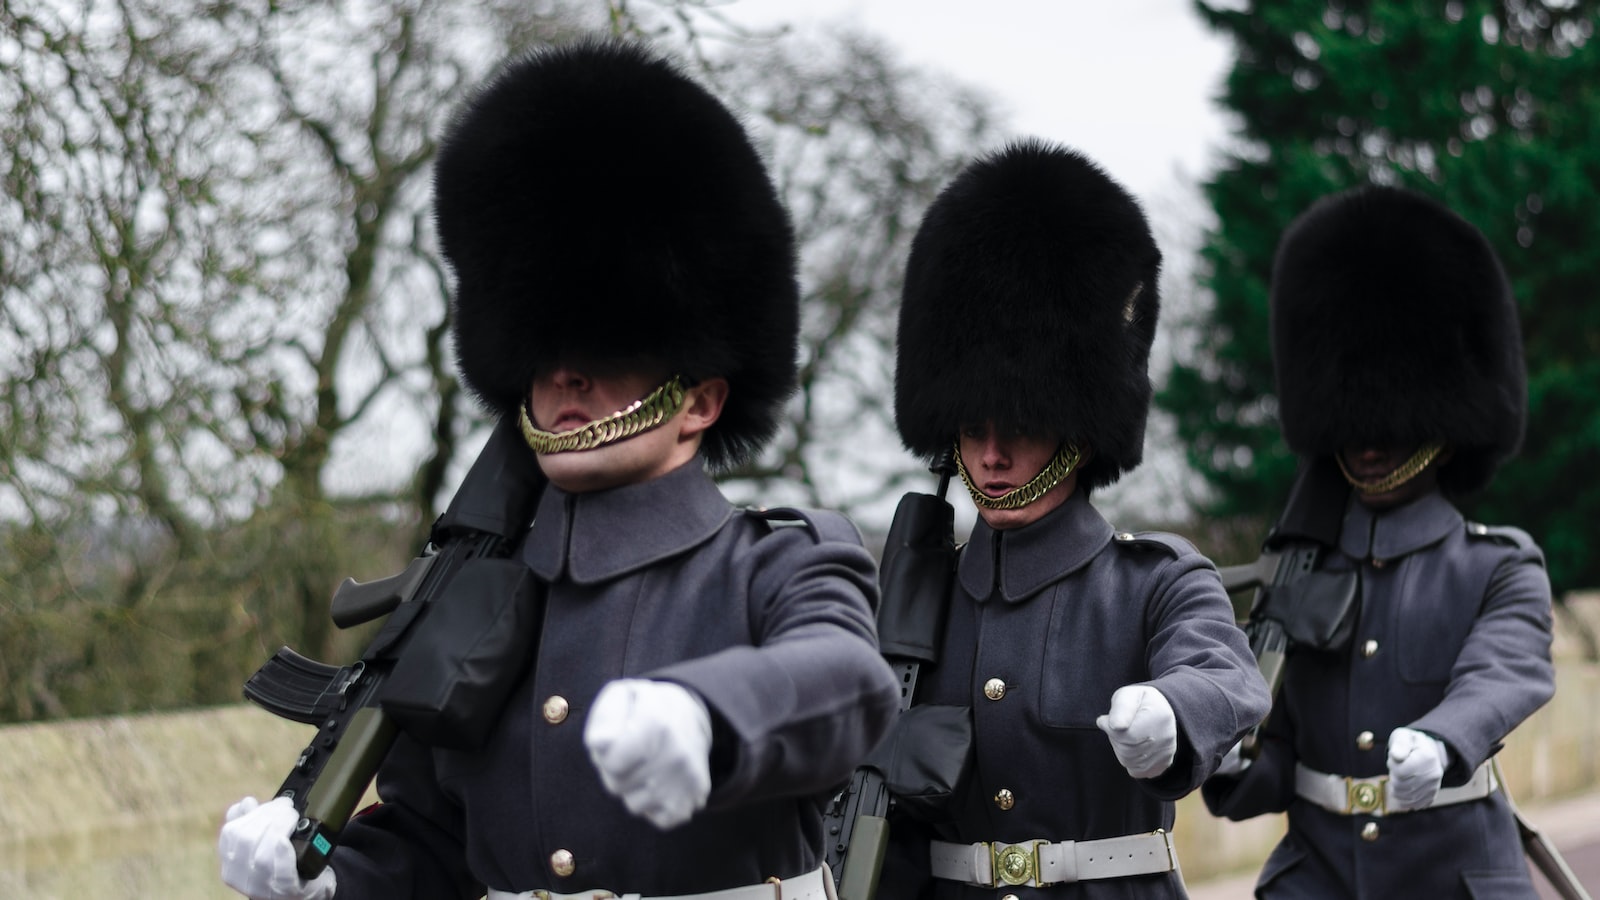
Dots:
pixel 766 617
pixel 1453 639
pixel 1064 611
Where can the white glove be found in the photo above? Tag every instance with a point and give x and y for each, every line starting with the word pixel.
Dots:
pixel 1416 766
pixel 1142 728
pixel 1234 762
pixel 257 858
pixel 651 741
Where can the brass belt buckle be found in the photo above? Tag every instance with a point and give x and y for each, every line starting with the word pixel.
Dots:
pixel 1364 795
pixel 1015 864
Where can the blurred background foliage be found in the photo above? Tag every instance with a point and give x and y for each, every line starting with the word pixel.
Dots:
pixel 227 378
pixel 1490 106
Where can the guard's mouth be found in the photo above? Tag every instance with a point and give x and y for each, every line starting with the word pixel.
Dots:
pixel 568 419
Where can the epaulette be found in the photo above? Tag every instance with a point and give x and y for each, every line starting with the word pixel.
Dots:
pixel 1150 540
pixel 824 525
pixel 1506 535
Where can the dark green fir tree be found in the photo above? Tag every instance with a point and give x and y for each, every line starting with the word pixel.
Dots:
pixel 1491 106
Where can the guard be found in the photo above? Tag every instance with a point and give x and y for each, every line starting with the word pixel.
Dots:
pixel 625 288
pixel 1103 670
pixel 1399 367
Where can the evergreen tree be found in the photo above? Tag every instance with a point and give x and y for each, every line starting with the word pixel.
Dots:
pixel 1491 106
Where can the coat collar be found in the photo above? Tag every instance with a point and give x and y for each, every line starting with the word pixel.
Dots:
pixel 1396 532
pixel 603 534
pixel 1034 556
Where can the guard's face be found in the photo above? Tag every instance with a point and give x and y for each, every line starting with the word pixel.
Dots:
pixel 572 395
pixel 999 462
pixel 1373 463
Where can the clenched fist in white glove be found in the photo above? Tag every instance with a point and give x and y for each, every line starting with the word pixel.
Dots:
pixel 1416 766
pixel 651 741
pixel 1142 728
pixel 257 858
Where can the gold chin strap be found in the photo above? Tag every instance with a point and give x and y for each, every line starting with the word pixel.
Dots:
pixel 1054 472
pixel 638 417
pixel 1403 473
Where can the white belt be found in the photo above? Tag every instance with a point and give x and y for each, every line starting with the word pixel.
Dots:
pixel 814 885
pixel 1351 796
pixel 1042 863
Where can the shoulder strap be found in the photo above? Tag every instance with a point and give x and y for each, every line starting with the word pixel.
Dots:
pixel 1172 544
pixel 824 525
pixel 1501 534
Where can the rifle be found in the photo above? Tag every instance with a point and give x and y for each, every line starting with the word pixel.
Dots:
pixel 915 578
pixel 1546 858
pixel 356 708
pixel 1294 602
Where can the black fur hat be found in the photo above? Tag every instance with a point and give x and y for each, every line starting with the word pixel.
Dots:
pixel 1393 324
pixel 1031 300
pixel 596 204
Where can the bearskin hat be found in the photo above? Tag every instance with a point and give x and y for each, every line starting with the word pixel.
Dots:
pixel 1393 325
pixel 595 204
pixel 1030 300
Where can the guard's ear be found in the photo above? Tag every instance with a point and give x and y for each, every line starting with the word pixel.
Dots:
pixel 702 405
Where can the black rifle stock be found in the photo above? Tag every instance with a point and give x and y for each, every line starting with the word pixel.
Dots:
pixel 1268 639
pixel 485 519
pixel 1310 523
pixel 915 577
pixel 1547 859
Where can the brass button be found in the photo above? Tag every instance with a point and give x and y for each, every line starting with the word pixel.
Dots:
pixel 1364 740
pixel 1369 649
pixel 1009 897
pixel 1369 831
pixel 994 689
pixel 1378 563
pixel 555 710
pixel 1124 537
pixel 562 863
pixel 1005 799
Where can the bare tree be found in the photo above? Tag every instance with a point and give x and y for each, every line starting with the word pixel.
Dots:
pixel 360 92
pixel 226 375
pixel 116 248
pixel 214 272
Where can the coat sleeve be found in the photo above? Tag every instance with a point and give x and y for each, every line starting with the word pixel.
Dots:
pixel 410 845
pixel 1503 672
pixel 801 707
pixel 1267 785
pixel 1200 661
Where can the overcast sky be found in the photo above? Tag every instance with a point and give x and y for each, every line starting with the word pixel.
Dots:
pixel 1129 82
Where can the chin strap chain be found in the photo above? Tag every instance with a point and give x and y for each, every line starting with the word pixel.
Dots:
pixel 638 417
pixel 1406 471
pixel 1056 471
